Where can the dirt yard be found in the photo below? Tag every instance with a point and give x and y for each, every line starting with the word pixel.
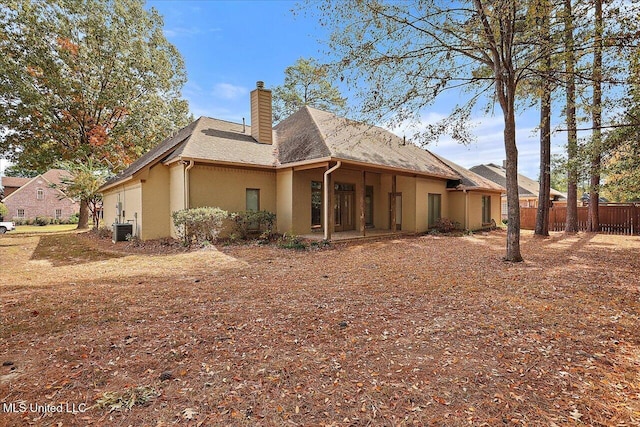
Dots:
pixel 415 331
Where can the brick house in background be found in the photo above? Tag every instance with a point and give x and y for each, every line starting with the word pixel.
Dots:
pixel 10 184
pixel 28 198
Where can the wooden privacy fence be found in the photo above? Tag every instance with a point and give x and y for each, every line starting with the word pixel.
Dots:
pixel 614 219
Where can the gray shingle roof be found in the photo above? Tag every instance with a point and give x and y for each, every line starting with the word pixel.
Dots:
pixel 219 140
pixel 527 187
pixel 155 154
pixel 312 133
pixel 471 179
pixel 307 135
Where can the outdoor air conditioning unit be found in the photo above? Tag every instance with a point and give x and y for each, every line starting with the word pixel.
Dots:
pixel 120 232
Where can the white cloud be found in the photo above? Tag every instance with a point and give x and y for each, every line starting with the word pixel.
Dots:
pixel 229 91
pixel 488 146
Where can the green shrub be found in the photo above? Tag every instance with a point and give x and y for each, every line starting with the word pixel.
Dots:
pixel 199 225
pixel 74 219
pixel 3 211
pixel 291 241
pixel 246 223
pixel 321 244
pixel 43 220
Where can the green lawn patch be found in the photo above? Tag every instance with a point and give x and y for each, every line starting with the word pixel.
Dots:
pixel 57 228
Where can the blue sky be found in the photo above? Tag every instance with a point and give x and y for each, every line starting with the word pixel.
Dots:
pixel 229 45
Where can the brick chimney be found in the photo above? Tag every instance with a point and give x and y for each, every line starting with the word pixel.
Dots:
pixel 261 119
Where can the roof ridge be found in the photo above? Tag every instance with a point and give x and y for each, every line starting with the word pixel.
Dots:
pixel 222 120
pixel 441 160
pixel 315 123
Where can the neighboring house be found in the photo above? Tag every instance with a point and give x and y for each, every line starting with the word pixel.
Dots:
pixel 586 198
pixel 314 170
pixel 528 189
pixel 10 184
pixel 29 198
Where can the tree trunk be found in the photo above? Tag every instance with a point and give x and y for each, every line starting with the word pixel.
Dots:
pixel 83 217
pixel 593 221
pixel 544 189
pixel 501 54
pixel 544 196
pixel 513 201
pixel 95 214
pixel 571 225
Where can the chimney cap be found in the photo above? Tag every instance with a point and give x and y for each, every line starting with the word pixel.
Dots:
pixel 260 84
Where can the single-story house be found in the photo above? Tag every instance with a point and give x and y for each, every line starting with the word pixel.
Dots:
pixel 316 171
pixel 41 196
pixel 528 189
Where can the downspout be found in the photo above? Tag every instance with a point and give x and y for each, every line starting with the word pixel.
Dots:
pixel 327 208
pixel 186 182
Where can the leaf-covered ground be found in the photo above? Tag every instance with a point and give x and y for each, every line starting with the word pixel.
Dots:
pixel 413 331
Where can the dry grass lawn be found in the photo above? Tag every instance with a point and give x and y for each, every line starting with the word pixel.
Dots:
pixel 413 331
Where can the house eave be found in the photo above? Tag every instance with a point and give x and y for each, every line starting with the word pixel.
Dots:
pixel 400 171
pixel 117 183
pixel 320 162
pixel 477 189
pixel 220 163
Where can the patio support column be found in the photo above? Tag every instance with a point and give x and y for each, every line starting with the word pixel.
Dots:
pixel 328 193
pixel 393 204
pixel 363 191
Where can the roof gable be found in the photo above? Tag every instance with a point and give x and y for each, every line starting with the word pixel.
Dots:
pixel 50 179
pixel 205 139
pixel 155 154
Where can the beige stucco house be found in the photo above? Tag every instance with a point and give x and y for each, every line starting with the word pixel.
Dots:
pixel 317 172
